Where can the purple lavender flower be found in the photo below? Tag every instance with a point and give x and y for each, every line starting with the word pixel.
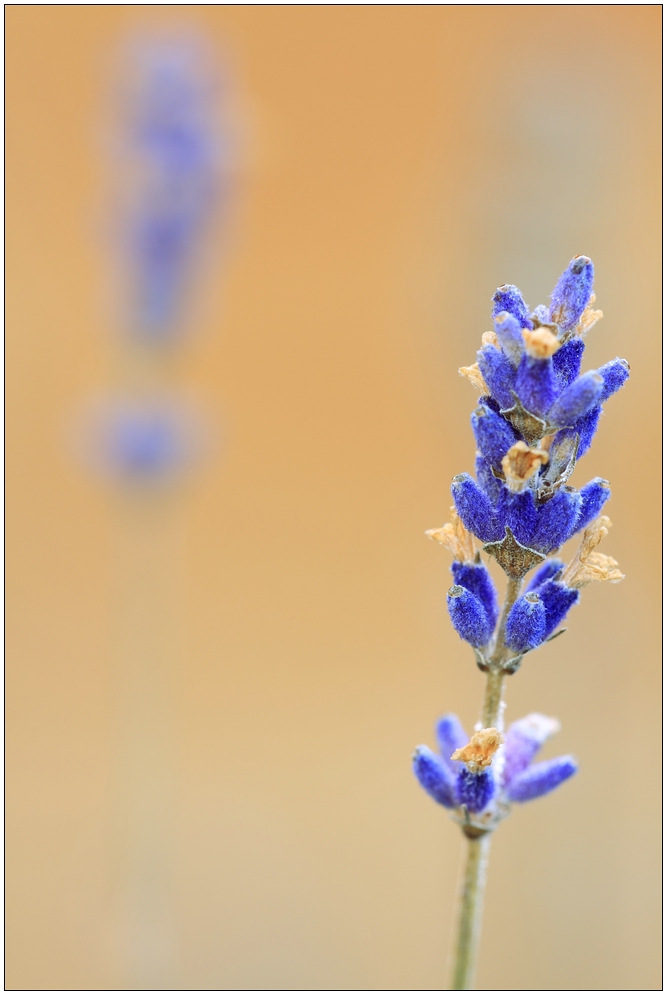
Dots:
pixel 534 393
pixel 536 416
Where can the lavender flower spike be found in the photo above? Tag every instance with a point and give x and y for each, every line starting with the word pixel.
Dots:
pixel 536 415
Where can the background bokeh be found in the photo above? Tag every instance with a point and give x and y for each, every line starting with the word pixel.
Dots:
pixel 394 165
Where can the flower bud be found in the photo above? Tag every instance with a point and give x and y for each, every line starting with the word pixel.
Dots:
pixel 498 374
pixel 541 778
pixel 576 400
pixel 508 298
pixel 572 293
pixel 434 776
pixel 614 374
pixel 526 624
pixel 468 616
pixel 475 509
pixel 548 571
pixel 567 361
pixel 593 496
pixel 536 384
pixel 556 520
pixel 477 579
pixel 475 791
pixel 557 600
pixel 493 435
pixel 524 739
pixel 522 515
pixel 450 736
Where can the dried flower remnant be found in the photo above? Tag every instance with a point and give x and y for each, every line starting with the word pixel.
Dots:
pixel 456 538
pixel 472 373
pixel 587 565
pixel 479 752
pixel 535 418
pixel 519 464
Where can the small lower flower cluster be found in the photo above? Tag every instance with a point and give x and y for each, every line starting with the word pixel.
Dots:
pixel 536 416
pixel 479 779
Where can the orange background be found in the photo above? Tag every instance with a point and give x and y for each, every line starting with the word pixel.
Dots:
pixel 240 813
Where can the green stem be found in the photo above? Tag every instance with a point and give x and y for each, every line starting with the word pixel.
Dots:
pixel 470 913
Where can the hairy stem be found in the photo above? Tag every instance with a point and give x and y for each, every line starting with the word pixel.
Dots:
pixel 472 895
pixel 493 700
pixel 470 912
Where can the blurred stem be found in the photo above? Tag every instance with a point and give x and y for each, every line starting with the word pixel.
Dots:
pixel 470 912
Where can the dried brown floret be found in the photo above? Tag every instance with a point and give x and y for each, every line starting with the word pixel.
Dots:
pixel 587 565
pixel 588 318
pixel 479 752
pixel 540 342
pixel 520 463
pixel 475 377
pixel 456 538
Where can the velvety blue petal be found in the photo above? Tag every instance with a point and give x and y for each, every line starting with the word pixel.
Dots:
pixel 593 496
pixel 567 361
pixel 536 384
pixel 522 516
pixel 435 778
pixel 614 375
pixel 541 778
pixel 469 616
pixel 572 293
pixel 526 624
pixel 523 740
pixel 498 374
pixel 548 570
pixel 475 509
pixel 508 329
pixel 577 400
pixel 556 520
pixel 490 484
pixel 508 298
pixel 493 434
pixel 477 579
pixel 450 736
pixel 475 790
pixel 557 600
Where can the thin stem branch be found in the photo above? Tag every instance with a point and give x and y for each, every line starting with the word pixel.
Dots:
pixel 470 912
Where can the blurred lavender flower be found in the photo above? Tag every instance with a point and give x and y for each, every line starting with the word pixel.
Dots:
pixel 143 443
pixel 173 153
